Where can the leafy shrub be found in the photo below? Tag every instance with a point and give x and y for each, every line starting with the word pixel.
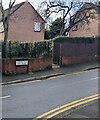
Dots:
pixel 62 39
pixel 29 50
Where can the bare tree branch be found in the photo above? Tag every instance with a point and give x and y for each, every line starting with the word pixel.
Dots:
pixel 83 12
pixel 5 21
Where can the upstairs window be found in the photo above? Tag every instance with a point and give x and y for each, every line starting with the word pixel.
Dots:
pixel 37 27
pixel 75 28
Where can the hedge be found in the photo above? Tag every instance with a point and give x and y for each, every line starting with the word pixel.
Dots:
pixel 62 39
pixel 29 50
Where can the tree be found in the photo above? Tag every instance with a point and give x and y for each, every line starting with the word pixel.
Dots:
pixel 5 21
pixel 65 9
pixel 47 34
pixel 54 29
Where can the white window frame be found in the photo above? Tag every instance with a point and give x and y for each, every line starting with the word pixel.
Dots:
pixel 37 26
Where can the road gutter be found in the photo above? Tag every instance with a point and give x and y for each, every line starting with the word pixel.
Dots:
pixel 47 76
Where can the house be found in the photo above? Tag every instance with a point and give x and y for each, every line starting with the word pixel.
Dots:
pixel 1 28
pixel 91 29
pixel 25 24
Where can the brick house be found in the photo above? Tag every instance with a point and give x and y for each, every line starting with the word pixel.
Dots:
pixel 25 24
pixel 84 29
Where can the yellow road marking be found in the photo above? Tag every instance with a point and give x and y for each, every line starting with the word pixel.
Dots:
pixel 70 107
pixel 66 105
pixel 79 72
pixel 73 73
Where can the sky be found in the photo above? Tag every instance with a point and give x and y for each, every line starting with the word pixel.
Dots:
pixel 35 3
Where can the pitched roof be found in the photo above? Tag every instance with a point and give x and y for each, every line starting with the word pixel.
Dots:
pixel 36 11
pixel 87 6
pixel 91 5
pixel 16 7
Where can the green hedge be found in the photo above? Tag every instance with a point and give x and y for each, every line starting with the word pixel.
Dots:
pixel 29 50
pixel 63 39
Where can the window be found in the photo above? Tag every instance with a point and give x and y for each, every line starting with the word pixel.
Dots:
pixel 75 28
pixel 37 27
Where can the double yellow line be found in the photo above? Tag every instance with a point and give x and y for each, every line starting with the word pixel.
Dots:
pixel 68 106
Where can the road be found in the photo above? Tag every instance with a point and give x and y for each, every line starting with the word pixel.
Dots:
pixel 28 100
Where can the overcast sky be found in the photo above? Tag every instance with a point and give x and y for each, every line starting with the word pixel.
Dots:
pixel 35 3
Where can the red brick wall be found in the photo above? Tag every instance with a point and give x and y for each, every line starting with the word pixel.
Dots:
pixel 39 64
pixel 79 59
pixel 21 24
pixel 9 65
pixel 87 30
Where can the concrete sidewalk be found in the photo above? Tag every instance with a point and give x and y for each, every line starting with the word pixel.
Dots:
pixel 91 110
pixel 48 73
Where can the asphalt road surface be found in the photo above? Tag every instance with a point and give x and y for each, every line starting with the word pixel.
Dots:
pixel 28 100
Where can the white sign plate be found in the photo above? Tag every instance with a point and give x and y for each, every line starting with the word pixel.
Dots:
pixel 22 62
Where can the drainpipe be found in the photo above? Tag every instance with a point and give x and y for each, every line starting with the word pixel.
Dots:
pixel 60 61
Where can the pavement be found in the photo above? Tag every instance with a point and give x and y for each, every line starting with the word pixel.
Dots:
pixel 55 71
pixel 90 110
